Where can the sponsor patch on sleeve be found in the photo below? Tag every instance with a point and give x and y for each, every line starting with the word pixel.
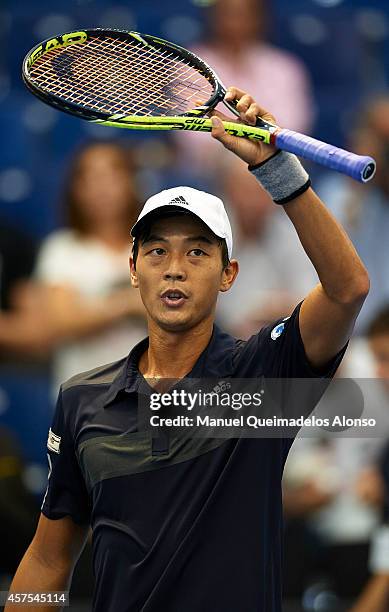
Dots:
pixel 277 331
pixel 53 442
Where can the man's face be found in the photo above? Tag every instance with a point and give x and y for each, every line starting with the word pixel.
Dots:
pixel 179 272
pixel 380 348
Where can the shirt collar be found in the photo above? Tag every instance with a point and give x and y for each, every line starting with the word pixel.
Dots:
pixel 215 361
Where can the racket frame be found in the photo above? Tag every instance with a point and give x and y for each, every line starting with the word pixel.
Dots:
pixel 361 168
pixel 80 37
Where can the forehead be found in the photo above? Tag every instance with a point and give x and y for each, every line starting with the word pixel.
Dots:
pixel 183 225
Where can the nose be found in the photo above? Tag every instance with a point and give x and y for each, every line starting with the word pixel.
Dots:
pixel 175 270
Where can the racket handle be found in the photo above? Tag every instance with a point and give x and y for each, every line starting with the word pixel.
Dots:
pixel 359 167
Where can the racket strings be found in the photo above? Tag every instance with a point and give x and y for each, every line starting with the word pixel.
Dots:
pixel 114 76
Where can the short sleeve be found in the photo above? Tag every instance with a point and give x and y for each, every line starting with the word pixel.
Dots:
pixel 277 354
pixel 284 351
pixel 66 492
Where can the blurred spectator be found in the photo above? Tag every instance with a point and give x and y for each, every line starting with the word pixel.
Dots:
pixel 83 270
pixel 19 510
pixel 332 506
pixel 375 597
pixel 25 333
pixel 363 210
pixel 237 49
pixel 19 514
pixel 82 305
pixel 17 260
pixel 334 493
pixel 264 242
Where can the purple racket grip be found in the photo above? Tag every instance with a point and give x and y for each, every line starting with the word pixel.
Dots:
pixel 359 167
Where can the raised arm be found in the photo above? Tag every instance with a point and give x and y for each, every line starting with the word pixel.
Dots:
pixel 329 311
pixel 49 561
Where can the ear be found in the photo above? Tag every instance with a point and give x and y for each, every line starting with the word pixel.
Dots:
pixel 133 273
pixel 229 275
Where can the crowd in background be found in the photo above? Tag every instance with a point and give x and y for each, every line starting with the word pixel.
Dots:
pixel 67 306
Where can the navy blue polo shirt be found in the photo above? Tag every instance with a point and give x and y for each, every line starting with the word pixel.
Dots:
pixel 187 528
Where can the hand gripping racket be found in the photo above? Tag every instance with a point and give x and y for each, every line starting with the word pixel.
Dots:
pixel 140 82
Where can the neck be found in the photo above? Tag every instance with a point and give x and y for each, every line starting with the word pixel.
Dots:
pixel 173 354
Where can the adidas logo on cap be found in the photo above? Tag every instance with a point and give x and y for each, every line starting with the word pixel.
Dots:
pixel 179 200
pixel 208 208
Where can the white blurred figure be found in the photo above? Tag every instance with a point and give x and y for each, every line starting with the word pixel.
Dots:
pixel 95 314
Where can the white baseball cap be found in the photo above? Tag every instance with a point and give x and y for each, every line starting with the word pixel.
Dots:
pixel 203 205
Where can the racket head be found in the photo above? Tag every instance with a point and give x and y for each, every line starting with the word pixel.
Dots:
pixel 101 74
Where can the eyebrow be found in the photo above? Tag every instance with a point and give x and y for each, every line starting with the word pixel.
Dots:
pixel 154 238
pixel 200 238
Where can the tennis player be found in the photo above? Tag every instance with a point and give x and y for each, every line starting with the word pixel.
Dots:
pixel 193 527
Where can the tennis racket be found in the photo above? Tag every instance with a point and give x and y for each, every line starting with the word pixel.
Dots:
pixel 141 82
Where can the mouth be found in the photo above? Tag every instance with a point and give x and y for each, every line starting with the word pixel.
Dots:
pixel 173 298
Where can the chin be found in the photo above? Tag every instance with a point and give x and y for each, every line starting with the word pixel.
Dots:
pixel 176 323
pixel 175 326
